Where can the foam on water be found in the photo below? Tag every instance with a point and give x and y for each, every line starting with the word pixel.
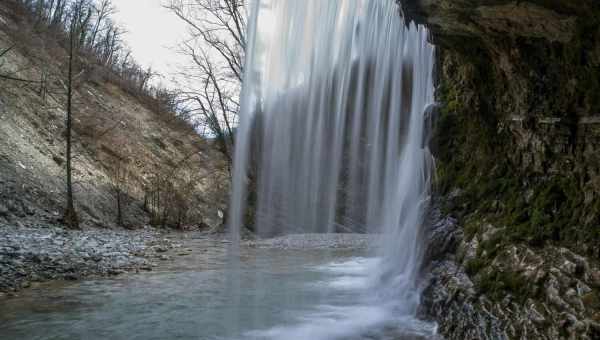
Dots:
pixel 363 317
pixel 328 324
pixel 353 266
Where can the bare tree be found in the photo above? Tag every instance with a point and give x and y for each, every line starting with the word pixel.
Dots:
pixel 215 47
pixel 98 39
pixel 119 181
pixel 103 11
pixel 70 215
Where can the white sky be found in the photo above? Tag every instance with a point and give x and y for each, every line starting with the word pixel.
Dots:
pixel 153 33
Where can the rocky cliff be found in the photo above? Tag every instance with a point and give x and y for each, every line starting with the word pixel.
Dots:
pixel 128 155
pixel 517 144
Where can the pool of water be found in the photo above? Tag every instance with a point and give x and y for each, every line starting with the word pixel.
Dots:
pixel 271 294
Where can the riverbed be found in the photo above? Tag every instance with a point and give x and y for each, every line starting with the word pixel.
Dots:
pixel 200 292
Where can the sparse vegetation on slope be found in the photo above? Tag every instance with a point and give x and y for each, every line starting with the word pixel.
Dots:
pixel 134 160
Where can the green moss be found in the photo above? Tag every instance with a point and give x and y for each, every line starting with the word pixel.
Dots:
pixel 578 57
pixel 496 284
pixel 474 266
pixel 492 190
pixel 471 227
pixel 591 301
pixel 477 153
pixel 494 244
pixel 449 96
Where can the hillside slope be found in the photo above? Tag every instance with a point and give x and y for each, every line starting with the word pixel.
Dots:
pixel 159 169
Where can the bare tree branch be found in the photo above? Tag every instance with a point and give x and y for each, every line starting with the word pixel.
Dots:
pixel 215 49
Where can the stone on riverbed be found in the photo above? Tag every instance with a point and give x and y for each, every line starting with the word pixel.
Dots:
pixel 316 241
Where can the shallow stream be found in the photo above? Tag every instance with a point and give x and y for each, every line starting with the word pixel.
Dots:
pixel 274 294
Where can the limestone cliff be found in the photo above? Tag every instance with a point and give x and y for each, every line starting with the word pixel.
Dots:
pixel 517 146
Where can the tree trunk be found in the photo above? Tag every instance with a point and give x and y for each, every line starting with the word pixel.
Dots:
pixel 119 211
pixel 70 217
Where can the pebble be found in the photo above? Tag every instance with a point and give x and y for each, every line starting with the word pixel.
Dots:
pixel 3 210
pixel 568 267
pixel 50 252
pixel 316 241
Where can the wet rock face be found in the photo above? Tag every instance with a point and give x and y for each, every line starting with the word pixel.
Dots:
pixel 485 291
pixel 519 131
pixel 541 55
pixel 534 66
pixel 550 20
pixel 517 145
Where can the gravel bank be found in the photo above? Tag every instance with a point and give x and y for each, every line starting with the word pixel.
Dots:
pixel 47 253
pixel 52 253
pixel 316 241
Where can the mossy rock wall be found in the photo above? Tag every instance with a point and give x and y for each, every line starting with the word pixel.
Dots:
pixel 518 137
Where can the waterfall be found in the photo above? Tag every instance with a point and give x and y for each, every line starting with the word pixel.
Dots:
pixel 333 130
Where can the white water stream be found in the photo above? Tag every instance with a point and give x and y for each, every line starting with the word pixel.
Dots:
pixel 333 132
